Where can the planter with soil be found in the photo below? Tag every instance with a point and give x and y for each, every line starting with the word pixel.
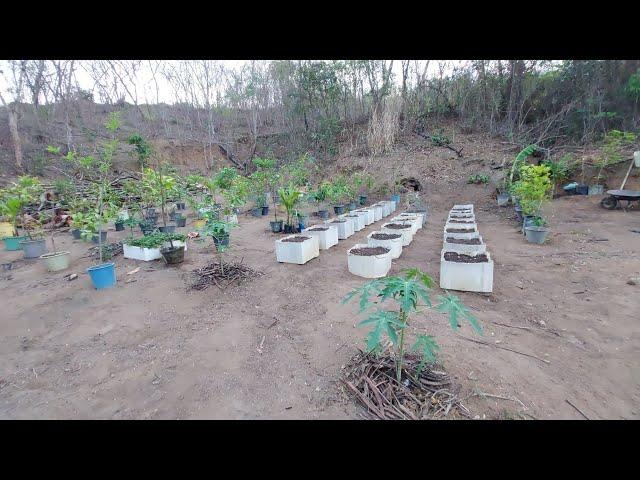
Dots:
pixel 119 225
pixel 370 215
pixel 464 218
pixel 404 228
pixel 362 215
pixel 181 221
pixel 422 211
pixel 378 212
pixel 413 217
pixel 141 253
pixel 358 222
pixel 368 261
pixel 465 272
pixel 463 207
pixel 56 261
pixel 344 227
pixel 339 209
pixel 386 208
pixel 290 228
pixel 265 211
pixel 352 206
pixel 535 234
pixel 147 228
pixel 12 244
pixel 464 245
pixel 33 248
pixel 102 276
pixel 458 231
pixel 324 214
pixel 167 229
pixel 181 206
pixel 276 227
pixel 363 199
pixel 460 224
pixel 96 240
pixel 173 255
pixel 527 221
pixel 392 241
pixel 256 211
pixel 327 235
pixel 298 249
pixel 416 222
pixel 503 199
pixel 222 240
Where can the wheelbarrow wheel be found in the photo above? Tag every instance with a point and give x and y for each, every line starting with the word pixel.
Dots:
pixel 609 203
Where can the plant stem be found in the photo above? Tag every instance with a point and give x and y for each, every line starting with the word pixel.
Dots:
pixel 401 348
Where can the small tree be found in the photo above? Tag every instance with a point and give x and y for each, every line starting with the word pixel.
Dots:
pixel 407 291
pixel 290 198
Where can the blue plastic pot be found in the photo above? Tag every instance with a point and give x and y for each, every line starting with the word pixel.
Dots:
pixel 103 276
pixel 396 198
pixel 13 243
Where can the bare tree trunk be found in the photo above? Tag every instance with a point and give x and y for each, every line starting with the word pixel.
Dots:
pixel 15 137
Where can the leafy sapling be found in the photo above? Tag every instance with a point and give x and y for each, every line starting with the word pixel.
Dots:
pixel 410 292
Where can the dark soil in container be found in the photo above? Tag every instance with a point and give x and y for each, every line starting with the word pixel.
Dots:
pixel 318 229
pixel 397 226
pixel 369 251
pixel 462 258
pixel 464 241
pixel 460 230
pixel 296 239
pixel 386 236
pixel 460 221
pixel 338 221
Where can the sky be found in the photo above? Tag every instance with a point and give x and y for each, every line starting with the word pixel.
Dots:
pixel 146 87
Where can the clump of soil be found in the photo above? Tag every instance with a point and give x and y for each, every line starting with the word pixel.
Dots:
pixel 386 236
pixel 295 239
pixel 460 230
pixel 369 251
pixel 464 241
pixel 318 229
pixel 372 382
pixel 462 258
pixel 397 226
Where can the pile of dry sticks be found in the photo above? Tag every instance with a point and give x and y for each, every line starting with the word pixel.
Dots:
pixel 222 275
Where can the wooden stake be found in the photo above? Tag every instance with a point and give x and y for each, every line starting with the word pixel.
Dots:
pixel 627 175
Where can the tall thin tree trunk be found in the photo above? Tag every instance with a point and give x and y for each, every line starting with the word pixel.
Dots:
pixel 15 137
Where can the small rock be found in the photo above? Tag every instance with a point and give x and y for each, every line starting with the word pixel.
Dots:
pixel 73 276
pixel 633 281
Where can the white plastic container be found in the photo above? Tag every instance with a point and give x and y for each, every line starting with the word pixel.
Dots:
pixel 345 228
pixel 297 252
pixel 363 215
pixel 468 206
pixel 461 225
pixel 386 208
pixel 371 215
pixel 466 277
pixel 395 244
pixel 368 266
pixel 326 238
pixel 473 234
pixel 636 158
pixel 378 212
pixel 419 215
pixel 464 248
pixel 470 218
pixel 407 233
pixel 416 222
pixel 140 253
pixel 358 221
pixel 176 243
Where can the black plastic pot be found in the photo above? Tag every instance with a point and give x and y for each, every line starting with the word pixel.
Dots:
pixel 180 206
pixel 173 255
pixel 256 211
pixel 222 240
pixel 339 209
pixel 324 214
pixel 265 211
pixel 77 234
pixel 172 216
pixel 276 227
pixel 291 229
pixel 519 216
pixel 119 226
pixel 181 221
pixel 167 229
pixel 151 219
pixel 146 227
pixel 94 239
pixel 363 199
pixel 527 221
pixel 352 206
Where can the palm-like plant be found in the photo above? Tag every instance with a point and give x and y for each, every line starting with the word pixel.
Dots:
pixel 407 291
pixel 11 208
pixel 289 197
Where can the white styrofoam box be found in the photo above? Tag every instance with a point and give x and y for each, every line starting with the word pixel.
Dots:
pixel 176 243
pixel 466 277
pixel 473 234
pixel 368 266
pixel 407 233
pixel 464 248
pixel 378 212
pixel 395 244
pixel 358 221
pixel 463 207
pixel 413 214
pixel 461 225
pixel 140 253
pixel 414 221
pixel 326 238
pixel 345 228
pixel 371 215
pixel 393 204
pixel 363 217
pixel 470 218
pixel 386 208
pixel 297 252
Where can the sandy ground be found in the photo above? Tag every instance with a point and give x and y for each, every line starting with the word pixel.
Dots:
pixel 274 347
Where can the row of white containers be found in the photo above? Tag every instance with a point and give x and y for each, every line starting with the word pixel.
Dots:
pixel 463 276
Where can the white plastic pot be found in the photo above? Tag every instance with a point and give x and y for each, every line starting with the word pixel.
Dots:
pixel 326 238
pixel 345 229
pixel 473 234
pixel 371 214
pixel 140 253
pixel 464 248
pixel 358 222
pixel 386 208
pixel 466 277
pixel 372 266
pixel 363 215
pixel 407 233
pixel 378 211
pixel 468 206
pixel 420 216
pixel 416 222
pixel 297 252
pixel 461 225
pixel 395 244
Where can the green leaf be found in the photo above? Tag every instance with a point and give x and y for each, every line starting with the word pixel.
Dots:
pixel 427 346
pixel 384 322
pixel 452 305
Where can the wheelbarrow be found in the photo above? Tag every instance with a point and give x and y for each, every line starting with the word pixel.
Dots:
pixel 615 196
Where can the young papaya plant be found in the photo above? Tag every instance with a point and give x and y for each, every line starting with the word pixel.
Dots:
pixel 410 292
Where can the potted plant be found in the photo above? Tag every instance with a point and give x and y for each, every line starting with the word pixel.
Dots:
pixel 219 231
pixel 56 260
pixel 290 198
pixel 320 196
pixel 10 209
pixel 533 188
pixel 297 249
pixel 337 194
pixel 537 231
